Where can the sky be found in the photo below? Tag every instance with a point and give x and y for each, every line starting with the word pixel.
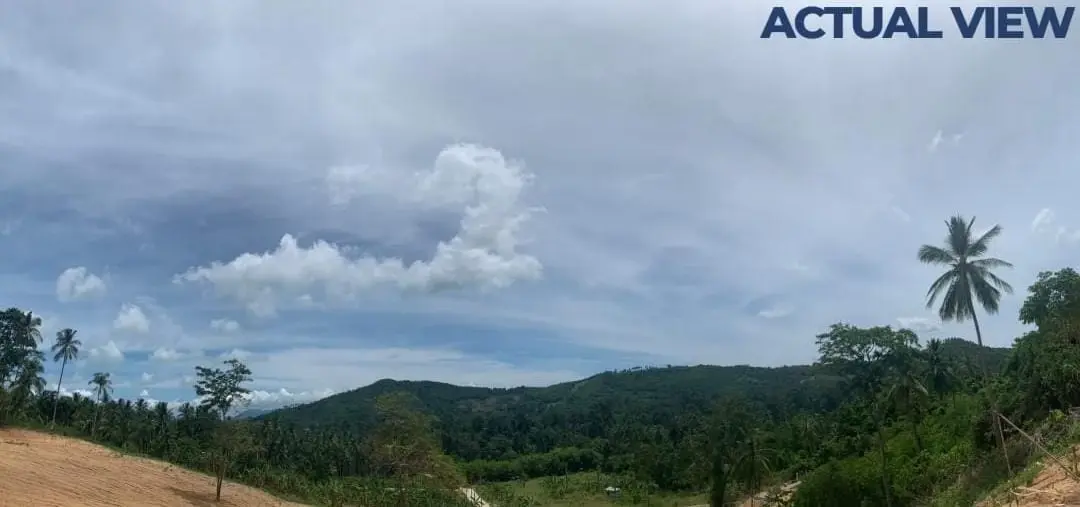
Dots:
pixel 502 193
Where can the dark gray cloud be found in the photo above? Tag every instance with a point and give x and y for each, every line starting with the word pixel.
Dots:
pixel 685 167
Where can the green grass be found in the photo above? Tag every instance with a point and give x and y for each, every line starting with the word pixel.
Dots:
pixel 581 490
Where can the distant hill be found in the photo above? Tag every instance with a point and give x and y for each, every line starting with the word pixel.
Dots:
pixel 474 419
pixel 963 351
pixel 666 387
pixel 253 413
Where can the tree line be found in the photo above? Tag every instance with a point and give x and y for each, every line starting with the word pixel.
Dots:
pixel 881 418
pixel 305 464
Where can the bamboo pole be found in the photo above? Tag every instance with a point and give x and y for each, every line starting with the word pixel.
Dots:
pixel 1068 470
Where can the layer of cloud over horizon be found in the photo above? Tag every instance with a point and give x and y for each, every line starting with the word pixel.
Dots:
pixel 501 194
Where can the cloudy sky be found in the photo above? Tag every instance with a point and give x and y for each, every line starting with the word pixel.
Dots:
pixel 502 193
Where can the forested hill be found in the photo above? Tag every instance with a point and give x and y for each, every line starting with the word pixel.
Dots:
pixel 488 423
pixel 662 389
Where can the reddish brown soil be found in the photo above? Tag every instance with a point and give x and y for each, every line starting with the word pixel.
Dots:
pixel 1051 488
pixel 42 470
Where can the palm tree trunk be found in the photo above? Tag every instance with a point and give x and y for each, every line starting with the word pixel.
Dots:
pixel 978 332
pixel 220 479
pixel 884 463
pixel 97 411
pixel 993 398
pixel 918 437
pixel 753 472
pixel 717 492
pixel 56 402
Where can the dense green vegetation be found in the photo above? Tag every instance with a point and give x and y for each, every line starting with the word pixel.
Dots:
pixel 881 418
pixel 614 421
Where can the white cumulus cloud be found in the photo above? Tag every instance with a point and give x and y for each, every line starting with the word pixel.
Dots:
pixel 1045 223
pixel 108 352
pixel 131 318
pixel 1043 220
pixel 86 393
pixel 240 354
pixel 224 325
pixel 775 312
pixel 171 354
pixel 919 324
pixel 260 398
pixel 484 252
pixel 78 283
pixel 940 138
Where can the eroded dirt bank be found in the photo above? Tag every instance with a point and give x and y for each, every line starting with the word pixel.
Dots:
pixel 49 471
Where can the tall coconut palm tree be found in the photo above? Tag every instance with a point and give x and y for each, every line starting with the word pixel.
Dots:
pixel 29 331
pixel 969 279
pixel 65 349
pixel 102 387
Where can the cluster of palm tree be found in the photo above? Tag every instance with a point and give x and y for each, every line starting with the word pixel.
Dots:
pixel 22 363
pixel 282 457
pixel 182 434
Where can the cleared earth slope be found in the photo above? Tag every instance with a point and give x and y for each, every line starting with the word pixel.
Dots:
pixel 46 471
pixel 1052 487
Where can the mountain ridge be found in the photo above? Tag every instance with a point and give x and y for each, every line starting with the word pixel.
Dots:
pixel 675 388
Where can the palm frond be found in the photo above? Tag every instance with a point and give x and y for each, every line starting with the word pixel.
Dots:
pixel 987 295
pixel 938 286
pixel 989 277
pixel 929 254
pixel 981 245
pixel 66 346
pixel 69 353
pixel 918 385
pixel 998 282
pixel 970 278
pixel 990 263
pixel 959 236
pixel 955 305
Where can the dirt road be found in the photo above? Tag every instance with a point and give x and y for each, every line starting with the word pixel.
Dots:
pixel 474 497
pixel 48 471
pixel 758 500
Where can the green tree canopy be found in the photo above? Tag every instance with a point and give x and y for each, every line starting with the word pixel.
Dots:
pixel 221 389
